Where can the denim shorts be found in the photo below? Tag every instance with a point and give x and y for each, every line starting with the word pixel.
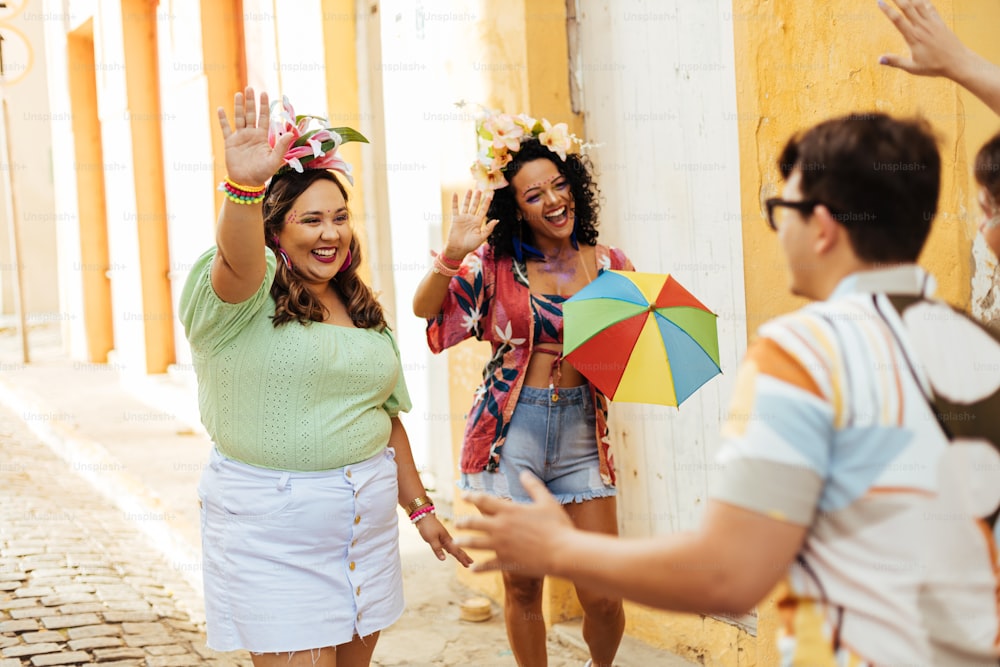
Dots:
pixel 555 441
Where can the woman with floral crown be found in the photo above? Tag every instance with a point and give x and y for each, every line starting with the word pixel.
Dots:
pixel 300 387
pixel 516 250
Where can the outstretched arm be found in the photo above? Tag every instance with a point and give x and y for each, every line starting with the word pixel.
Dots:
pixel 431 530
pixel 467 232
pixel 727 566
pixel 937 51
pixel 239 263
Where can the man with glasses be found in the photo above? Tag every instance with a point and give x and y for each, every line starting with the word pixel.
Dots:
pixel 861 472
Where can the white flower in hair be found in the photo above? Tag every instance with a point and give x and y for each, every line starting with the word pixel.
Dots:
pixel 499 137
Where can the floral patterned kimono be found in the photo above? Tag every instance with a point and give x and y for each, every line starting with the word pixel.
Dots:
pixel 489 299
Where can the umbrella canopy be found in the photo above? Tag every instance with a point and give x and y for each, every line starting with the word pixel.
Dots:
pixel 641 337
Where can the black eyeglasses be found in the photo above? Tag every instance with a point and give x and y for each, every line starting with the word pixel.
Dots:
pixel 803 207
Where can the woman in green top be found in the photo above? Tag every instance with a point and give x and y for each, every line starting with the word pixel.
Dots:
pixel 300 386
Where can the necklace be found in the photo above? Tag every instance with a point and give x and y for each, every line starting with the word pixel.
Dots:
pixel 564 273
pixel 586 271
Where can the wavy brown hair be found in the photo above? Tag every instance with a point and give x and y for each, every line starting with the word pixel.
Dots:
pixel 293 301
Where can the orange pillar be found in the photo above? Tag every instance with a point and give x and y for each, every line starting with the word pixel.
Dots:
pixel 89 157
pixel 139 22
pixel 224 51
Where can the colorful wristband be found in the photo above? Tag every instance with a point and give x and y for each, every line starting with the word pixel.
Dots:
pixel 443 269
pixel 249 189
pixel 237 195
pixel 450 263
pixel 417 516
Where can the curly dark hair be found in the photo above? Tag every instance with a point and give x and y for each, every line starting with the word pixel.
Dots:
pixel 293 301
pixel 586 195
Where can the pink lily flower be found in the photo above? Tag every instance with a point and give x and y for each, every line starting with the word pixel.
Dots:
pixel 331 160
pixel 293 155
pixel 305 146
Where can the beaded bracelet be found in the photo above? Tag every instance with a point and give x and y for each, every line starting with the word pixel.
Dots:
pixel 242 194
pixel 417 503
pixel 423 510
pixel 252 189
pixel 450 263
pixel 443 269
pixel 417 516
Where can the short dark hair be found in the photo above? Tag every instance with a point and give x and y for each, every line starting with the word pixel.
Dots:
pixel 504 207
pixel 987 168
pixel 879 176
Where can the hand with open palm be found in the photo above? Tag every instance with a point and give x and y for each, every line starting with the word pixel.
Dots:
pixel 250 159
pixel 935 50
pixel 468 226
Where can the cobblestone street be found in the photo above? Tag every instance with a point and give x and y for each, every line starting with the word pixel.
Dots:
pixel 78 582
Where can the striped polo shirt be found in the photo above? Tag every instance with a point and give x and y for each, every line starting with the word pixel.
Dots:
pixel 874 418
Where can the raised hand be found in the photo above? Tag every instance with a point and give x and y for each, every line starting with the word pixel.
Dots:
pixel 523 536
pixel 468 230
pixel 934 49
pixel 250 160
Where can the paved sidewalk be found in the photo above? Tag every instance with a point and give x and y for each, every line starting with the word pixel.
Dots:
pixel 78 583
pixel 99 521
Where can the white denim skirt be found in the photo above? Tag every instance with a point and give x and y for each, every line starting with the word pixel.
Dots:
pixel 299 560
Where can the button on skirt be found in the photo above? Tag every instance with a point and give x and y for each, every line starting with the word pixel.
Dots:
pixel 299 560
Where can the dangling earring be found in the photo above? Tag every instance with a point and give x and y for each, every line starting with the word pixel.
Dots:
pixel 281 252
pixel 520 247
pixel 516 242
pixel 347 262
pixel 572 236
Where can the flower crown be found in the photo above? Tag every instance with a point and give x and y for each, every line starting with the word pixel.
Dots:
pixel 311 149
pixel 500 136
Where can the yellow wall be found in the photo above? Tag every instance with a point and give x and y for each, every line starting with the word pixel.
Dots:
pixel 800 63
pixel 699 639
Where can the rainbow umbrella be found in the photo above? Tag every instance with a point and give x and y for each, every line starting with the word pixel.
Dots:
pixel 641 337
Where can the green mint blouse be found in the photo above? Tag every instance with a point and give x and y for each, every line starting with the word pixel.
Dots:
pixel 296 397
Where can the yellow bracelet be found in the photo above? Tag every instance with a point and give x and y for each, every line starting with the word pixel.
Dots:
pixel 244 199
pixel 417 503
pixel 246 188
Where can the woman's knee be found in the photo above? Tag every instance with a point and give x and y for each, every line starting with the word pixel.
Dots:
pixel 523 590
pixel 599 607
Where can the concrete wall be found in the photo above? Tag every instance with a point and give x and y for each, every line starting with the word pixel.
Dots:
pixel 26 163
